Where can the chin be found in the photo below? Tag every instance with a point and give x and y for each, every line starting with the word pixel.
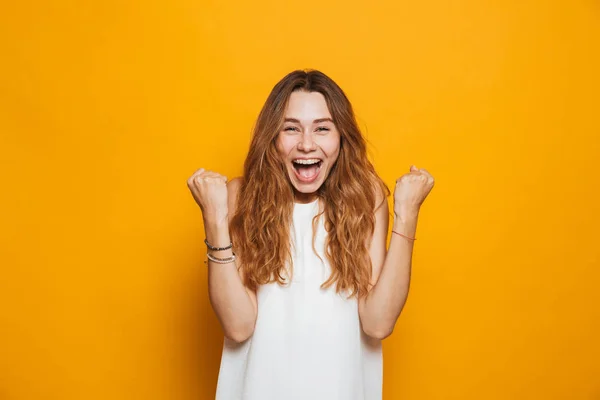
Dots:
pixel 304 189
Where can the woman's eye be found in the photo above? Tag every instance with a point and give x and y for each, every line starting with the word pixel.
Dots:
pixel 322 128
pixel 290 128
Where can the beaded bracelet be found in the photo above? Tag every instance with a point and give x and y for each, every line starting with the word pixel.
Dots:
pixel 226 260
pixel 413 239
pixel 217 248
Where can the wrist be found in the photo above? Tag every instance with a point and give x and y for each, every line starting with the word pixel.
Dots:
pixel 216 220
pixel 406 223
pixel 406 215
pixel 217 231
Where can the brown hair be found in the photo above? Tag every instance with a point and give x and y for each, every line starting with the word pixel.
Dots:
pixel 260 227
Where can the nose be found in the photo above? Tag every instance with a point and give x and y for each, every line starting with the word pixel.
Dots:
pixel 307 142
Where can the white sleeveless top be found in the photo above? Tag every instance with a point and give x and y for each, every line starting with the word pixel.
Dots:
pixel 307 342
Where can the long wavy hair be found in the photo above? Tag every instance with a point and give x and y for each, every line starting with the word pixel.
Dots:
pixel 260 227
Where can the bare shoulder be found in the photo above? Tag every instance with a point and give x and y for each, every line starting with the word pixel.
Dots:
pixel 381 194
pixel 234 184
pixel 233 188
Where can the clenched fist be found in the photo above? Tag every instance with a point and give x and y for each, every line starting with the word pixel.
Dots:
pixel 411 190
pixel 210 192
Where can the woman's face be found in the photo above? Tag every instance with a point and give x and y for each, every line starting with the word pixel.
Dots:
pixel 309 143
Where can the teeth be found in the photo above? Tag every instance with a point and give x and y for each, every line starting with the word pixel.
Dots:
pixel 307 162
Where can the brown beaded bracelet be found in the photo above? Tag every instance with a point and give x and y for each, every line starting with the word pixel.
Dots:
pixel 217 248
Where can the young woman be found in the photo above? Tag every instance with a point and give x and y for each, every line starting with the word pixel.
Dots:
pixel 298 271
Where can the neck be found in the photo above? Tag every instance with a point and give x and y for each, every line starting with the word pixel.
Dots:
pixel 304 198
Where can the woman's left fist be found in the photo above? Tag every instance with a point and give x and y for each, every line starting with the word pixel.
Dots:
pixel 411 190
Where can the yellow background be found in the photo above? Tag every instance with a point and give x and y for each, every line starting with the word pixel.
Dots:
pixel 107 107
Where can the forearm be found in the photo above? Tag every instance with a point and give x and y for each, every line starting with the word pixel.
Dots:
pixel 228 295
pixel 386 299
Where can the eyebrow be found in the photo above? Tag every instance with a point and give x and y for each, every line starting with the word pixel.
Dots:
pixel 316 121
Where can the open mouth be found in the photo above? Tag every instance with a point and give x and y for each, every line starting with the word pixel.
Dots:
pixel 307 170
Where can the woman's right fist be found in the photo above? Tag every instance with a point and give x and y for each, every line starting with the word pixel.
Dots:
pixel 210 192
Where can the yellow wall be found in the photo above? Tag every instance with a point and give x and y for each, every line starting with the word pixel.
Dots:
pixel 106 108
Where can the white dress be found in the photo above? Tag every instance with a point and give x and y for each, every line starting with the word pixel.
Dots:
pixel 307 342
